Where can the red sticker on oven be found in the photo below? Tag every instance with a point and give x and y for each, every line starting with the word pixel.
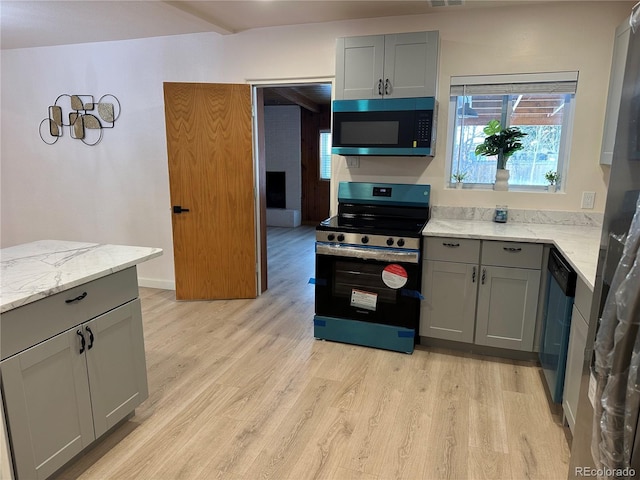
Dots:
pixel 394 276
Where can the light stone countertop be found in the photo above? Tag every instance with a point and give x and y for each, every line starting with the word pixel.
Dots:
pixel 35 270
pixel 578 244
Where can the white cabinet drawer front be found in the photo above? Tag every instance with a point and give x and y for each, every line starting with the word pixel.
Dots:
pixel 512 254
pixel 447 249
pixel 35 322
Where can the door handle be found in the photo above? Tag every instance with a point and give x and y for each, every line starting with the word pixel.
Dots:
pixel 84 342
pixel 90 338
pixel 386 87
pixel 179 209
pixel 484 275
pixel 380 87
pixel 473 277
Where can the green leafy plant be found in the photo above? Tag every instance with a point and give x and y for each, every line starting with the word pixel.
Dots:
pixel 459 176
pixel 552 177
pixel 501 142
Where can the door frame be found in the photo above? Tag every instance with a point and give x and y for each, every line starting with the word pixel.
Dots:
pixel 260 164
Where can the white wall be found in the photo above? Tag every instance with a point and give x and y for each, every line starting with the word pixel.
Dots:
pixel 118 191
pixel 282 149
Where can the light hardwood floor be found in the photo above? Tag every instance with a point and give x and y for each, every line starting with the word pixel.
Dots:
pixel 241 390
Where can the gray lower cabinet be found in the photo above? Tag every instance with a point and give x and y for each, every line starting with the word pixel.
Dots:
pixel 449 309
pixel 387 66
pixel 482 292
pixel 62 394
pixel 507 307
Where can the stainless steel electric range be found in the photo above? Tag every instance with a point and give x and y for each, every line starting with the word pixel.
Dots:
pixel 369 266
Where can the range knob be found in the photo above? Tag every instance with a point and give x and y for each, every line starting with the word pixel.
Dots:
pixel 365 239
pixel 331 237
pixel 389 241
pixel 401 242
pixel 341 238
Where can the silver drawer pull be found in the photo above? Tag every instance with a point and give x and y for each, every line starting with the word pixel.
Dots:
pixel 512 249
pixel 451 245
pixel 77 299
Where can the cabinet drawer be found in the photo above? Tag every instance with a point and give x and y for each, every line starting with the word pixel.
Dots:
pixel 35 322
pixel 512 254
pixel 447 249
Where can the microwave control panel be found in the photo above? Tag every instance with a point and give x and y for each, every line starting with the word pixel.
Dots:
pixel 423 128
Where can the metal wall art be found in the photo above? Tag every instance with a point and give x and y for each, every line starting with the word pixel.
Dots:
pixel 87 127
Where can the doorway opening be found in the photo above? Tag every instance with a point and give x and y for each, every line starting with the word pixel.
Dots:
pixel 290 119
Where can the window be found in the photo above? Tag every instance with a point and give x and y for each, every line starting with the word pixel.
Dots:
pixel 325 155
pixel 541 105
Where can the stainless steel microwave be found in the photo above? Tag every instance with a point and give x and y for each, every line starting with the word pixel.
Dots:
pixel 384 126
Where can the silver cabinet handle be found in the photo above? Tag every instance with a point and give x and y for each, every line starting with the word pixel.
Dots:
pixel 450 245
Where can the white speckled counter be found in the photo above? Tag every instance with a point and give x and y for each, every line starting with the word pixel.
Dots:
pixel 578 244
pixel 35 270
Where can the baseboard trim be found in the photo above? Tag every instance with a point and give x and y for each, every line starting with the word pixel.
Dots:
pixel 157 283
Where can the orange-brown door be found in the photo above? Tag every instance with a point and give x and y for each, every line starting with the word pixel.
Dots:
pixel 209 146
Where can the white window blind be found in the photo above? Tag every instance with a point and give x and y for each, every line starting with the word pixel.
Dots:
pixel 557 82
pixel 325 155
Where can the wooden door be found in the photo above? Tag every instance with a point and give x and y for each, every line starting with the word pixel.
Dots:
pixel 209 146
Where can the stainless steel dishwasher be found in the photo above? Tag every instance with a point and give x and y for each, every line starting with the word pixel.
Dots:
pixel 561 290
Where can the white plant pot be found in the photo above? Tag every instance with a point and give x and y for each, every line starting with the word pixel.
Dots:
pixel 552 188
pixel 459 185
pixel 502 180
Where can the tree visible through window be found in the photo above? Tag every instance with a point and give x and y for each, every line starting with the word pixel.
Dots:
pixel 325 155
pixel 543 115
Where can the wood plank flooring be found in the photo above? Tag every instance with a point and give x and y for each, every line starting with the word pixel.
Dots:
pixel 241 390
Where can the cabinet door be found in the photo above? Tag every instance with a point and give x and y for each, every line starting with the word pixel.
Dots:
pixel 359 64
pixel 448 308
pixel 116 365
pixel 507 307
pixel 46 393
pixel 410 64
pixel 573 372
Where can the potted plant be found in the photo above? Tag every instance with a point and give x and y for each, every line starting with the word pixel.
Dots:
pixel 459 178
pixel 502 143
pixel 553 178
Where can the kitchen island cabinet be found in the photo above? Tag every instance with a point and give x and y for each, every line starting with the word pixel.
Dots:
pixel 400 65
pixel 73 362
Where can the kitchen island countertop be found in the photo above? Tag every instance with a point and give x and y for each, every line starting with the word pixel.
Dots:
pixel 36 270
pixel 578 244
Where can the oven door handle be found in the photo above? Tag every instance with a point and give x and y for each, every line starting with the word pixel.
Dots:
pixel 380 254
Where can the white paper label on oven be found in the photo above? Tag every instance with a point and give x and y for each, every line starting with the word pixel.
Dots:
pixel 394 276
pixel 362 299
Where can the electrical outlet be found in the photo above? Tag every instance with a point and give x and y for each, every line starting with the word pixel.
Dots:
pixel 588 199
pixel 353 162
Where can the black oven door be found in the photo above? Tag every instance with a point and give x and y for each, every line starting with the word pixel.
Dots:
pixel 379 285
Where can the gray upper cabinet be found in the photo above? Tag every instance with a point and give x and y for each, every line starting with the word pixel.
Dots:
pixel 620 47
pixel 398 65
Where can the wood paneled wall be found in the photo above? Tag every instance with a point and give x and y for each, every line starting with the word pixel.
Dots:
pixel 315 192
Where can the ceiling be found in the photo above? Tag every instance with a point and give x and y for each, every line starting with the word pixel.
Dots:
pixel 31 23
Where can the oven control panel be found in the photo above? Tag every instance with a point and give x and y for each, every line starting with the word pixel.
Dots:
pixel 368 240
